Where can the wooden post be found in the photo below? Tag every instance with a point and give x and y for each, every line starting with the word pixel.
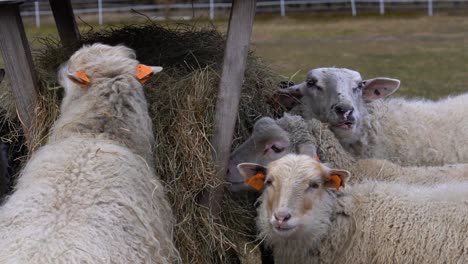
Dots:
pixel 100 11
pixel 235 60
pixel 382 7
pixel 211 9
pixel 18 63
pixel 65 22
pixel 353 7
pixel 429 7
pixel 283 9
pixel 37 13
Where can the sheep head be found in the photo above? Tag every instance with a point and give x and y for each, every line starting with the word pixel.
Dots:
pixel 295 196
pixel 98 62
pixel 337 96
pixel 270 140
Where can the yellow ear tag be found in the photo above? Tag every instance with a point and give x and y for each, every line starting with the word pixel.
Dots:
pixel 82 78
pixel 336 181
pixel 143 73
pixel 256 181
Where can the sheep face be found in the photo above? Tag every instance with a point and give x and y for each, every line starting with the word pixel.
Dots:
pixel 267 143
pixel 295 201
pixel 337 96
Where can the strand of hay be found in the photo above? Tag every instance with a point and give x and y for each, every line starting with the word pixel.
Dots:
pixel 182 102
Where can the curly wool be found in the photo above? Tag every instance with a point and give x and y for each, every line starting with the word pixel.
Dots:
pixel 332 152
pixel 415 132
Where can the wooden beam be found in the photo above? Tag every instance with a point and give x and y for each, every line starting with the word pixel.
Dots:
pixel 235 60
pixel 18 64
pixel 65 22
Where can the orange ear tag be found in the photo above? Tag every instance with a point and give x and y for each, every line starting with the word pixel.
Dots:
pixel 256 181
pixel 82 78
pixel 336 181
pixel 143 73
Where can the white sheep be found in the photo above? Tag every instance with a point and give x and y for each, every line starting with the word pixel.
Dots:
pixel 273 139
pixel 409 132
pixel 90 195
pixel 306 216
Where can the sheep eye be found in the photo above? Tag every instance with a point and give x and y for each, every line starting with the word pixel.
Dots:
pixel 268 182
pixel 313 83
pixel 358 88
pixel 276 149
pixel 314 185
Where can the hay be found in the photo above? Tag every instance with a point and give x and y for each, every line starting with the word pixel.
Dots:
pixel 182 104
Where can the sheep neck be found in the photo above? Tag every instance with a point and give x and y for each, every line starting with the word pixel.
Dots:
pixel 313 250
pixel 366 131
pixel 109 111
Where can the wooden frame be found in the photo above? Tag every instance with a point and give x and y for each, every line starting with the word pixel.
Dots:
pixel 18 62
pixel 227 105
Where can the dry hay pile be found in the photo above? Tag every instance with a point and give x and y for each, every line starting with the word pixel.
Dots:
pixel 182 103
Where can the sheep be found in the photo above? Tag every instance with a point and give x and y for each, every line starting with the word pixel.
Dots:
pixel 272 139
pixel 307 216
pixel 90 195
pixel 408 132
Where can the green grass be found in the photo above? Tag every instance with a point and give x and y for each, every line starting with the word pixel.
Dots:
pixel 428 54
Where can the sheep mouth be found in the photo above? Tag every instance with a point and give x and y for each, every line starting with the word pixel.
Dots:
pixel 346 125
pixel 284 230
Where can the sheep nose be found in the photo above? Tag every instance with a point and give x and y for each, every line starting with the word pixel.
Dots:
pixel 282 216
pixel 344 110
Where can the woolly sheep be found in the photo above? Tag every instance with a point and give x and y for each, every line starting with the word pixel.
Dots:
pixel 409 132
pixel 307 216
pixel 272 139
pixel 90 195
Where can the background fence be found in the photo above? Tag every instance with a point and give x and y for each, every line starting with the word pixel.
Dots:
pixel 173 9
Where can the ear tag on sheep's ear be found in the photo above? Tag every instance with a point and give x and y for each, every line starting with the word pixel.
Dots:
pixel 143 73
pixel 336 181
pixel 256 181
pixel 82 79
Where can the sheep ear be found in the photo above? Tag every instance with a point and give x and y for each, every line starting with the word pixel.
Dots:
pixel 254 174
pixel 2 74
pixel 309 150
pixel 377 88
pixel 80 78
pixel 287 98
pixel 336 178
pixel 143 72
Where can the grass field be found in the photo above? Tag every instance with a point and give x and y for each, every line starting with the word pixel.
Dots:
pixel 428 54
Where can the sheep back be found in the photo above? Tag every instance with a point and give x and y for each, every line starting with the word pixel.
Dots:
pixel 86 201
